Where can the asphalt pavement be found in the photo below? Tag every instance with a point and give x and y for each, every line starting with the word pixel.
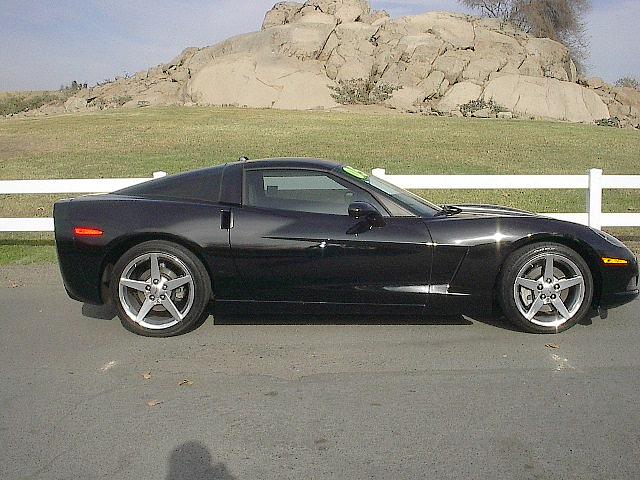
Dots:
pixel 310 397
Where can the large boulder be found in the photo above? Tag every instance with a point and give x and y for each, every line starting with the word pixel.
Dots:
pixel 460 94
pixel 455 30
pixel 546 98
pixel 280 14
pixel 349 53
pixel 405 98
pixel 273 81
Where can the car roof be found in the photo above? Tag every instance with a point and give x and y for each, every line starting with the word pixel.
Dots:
pixel 293 162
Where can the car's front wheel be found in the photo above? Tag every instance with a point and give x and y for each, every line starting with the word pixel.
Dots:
pixel 160 289
pixel 546 288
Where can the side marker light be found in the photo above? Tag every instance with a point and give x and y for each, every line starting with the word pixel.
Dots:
pixel 87 232
pixel 614 261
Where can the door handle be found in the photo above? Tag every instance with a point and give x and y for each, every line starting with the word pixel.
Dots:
pixel 226 220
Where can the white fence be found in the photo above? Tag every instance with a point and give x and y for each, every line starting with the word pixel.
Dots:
pixel 593 183
pixel 85 185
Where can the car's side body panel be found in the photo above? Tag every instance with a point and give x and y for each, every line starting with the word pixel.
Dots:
pixel 294 256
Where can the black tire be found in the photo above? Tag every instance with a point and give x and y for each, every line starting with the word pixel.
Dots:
pixel 527 266
pixel 175 263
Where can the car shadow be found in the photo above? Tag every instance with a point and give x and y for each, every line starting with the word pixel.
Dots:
pixel 107 312
pixel 319 319
pixel 98 312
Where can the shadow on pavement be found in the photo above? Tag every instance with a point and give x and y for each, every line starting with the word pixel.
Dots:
pixel 99 312
pixel 308 319
pixel 192 461
pixel 106 312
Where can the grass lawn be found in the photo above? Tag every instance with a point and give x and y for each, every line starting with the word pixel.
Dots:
pixel 128 143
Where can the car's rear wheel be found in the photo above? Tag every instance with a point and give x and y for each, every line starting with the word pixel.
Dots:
pixel 546 288
pixel 160 289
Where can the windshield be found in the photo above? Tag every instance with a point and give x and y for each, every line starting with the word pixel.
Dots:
pixel 410 200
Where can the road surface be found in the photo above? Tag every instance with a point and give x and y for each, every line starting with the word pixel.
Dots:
pixel 310 397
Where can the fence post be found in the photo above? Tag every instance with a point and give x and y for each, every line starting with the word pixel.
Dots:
pixel 159 174
pixel 378 172
pixel 594 198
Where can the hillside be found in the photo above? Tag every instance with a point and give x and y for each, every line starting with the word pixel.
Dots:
pixel 314 55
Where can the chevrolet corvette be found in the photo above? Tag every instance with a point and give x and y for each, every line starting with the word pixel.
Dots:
pixel 306 235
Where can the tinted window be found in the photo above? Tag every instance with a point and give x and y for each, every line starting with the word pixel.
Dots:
pixel 303 191
pixel 202 185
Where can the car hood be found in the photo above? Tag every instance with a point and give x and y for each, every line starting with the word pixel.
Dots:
pixel 492 211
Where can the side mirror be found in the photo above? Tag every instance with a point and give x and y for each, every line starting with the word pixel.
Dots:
pixel 366 211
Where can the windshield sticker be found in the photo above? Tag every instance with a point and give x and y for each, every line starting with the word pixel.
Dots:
pixel 354 172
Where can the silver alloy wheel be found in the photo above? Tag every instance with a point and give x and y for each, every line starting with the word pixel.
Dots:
pixel 549 290
pixel 156 290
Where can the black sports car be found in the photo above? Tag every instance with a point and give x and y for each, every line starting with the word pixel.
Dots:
pixel 314 235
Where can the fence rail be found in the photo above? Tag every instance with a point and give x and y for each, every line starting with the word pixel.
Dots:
pixel 593 183
pixel 83 185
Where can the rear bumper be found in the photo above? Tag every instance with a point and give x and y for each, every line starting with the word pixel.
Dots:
pixel 80 264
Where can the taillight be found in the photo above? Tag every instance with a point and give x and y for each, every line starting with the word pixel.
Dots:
pixel 87 232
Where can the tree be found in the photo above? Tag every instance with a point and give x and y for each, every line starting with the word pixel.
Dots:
pixel 628 82
pixel 560 20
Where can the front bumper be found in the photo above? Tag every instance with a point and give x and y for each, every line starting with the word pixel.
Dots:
pixel 619 285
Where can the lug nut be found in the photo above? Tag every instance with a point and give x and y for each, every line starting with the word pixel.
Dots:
pixel 152 297
pixel 164 287
pixel 543 296
pixel 163 297
pixel 156 281
pixel 557 287
pixel 549 280
pixel 147 288
pixel 540 287
pixel 553 297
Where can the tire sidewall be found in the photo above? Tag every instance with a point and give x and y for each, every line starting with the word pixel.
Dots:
pixel 513 265
pixel 201 282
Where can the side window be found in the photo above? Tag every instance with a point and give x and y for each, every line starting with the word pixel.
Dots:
pixel 302 191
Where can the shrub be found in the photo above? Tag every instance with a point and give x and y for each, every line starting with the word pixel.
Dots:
pixel 473 106
pixel 122 99
pixel 362 92
pixel 609 122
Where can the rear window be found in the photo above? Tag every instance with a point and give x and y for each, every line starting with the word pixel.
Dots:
pixel 200 185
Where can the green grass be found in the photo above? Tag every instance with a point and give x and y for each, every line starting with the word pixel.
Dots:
pixel 126 143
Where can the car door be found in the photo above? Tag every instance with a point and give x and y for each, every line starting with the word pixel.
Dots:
pixel 293 241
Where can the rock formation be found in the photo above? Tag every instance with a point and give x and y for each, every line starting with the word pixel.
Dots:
pixel 437 62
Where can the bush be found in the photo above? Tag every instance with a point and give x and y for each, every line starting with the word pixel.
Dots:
pixel 609 122
pixel 122 99
pixel 362 92
pixel 473 106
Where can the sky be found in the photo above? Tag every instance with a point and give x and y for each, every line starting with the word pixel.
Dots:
pixel 49 43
